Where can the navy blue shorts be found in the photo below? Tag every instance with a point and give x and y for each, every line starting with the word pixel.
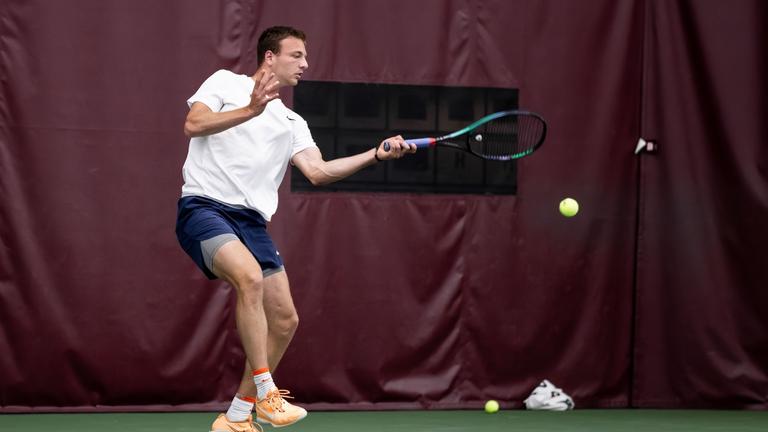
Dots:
pixel 203 225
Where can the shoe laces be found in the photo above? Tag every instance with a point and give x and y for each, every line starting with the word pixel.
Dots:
pixel 276 399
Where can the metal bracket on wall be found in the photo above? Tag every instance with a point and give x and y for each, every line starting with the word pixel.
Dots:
pixel 646 146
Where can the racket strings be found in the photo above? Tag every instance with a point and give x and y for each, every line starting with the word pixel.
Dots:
pixel 507 137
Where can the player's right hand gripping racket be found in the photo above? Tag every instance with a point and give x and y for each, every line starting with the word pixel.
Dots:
pixel 500 136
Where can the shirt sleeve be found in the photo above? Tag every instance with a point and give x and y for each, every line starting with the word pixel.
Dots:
pixel 302 137
pixel 210 92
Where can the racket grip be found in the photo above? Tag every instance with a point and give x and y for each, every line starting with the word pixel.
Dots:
pixel 420 143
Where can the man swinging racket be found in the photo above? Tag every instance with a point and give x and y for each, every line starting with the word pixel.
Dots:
pixel 242 139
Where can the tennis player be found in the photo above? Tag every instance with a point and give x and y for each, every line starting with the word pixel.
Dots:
pixel 242 139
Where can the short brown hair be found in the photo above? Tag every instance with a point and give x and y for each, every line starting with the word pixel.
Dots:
pixel 271 37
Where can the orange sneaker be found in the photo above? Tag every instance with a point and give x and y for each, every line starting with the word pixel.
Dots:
pixel 275 410
pixel 222 424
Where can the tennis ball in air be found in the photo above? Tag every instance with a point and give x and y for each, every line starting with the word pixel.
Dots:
pixel 569 207
pixel 491 406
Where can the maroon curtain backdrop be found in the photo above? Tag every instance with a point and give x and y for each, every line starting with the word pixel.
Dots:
pixel 652 296
pixel 702 300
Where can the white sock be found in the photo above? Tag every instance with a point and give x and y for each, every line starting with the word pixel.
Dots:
pixel 264 383
pixel 239 410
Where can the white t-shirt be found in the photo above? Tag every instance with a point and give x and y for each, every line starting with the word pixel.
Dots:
pixel 243 166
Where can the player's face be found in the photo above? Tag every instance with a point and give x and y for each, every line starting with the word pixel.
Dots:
pixel 291 62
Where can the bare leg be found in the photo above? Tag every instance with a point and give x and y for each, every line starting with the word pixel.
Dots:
pixel 235 264
pixel 282 321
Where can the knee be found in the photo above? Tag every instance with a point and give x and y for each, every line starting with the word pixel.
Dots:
pixel 287 323
pixel 293 321
pixel 250 286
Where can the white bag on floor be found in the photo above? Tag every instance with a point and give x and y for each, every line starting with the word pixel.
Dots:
pixel 548 397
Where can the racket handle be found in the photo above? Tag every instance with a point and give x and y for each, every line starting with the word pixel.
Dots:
pixel 420 143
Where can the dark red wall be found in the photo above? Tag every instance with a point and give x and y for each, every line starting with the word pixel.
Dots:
pixel 653 296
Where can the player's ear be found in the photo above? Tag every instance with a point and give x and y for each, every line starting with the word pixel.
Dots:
pixel 269 56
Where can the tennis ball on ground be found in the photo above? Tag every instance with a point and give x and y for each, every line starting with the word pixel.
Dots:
pixel 569 207
pixel 491 406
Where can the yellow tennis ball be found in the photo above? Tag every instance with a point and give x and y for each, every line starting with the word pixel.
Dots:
pixel 569 207
pixel 491 406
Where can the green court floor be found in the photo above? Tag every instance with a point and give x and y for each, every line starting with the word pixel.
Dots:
pixel 414 421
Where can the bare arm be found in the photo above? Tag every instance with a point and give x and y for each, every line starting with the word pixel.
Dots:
pixel 321 172
pixel 201 121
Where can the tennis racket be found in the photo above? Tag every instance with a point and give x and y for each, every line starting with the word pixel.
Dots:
pixel 501 136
